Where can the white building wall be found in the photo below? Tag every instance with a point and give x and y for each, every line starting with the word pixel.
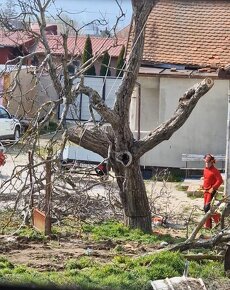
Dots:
pixel 204 131
pixel 149 104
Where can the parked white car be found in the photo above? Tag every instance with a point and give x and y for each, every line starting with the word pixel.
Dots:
pixel 10 127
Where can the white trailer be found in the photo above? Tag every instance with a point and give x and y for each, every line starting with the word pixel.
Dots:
pixel 72 153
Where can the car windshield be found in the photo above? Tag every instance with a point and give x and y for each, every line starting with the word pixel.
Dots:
pixel 4 114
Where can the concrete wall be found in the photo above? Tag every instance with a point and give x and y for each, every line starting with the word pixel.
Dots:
pixel 45 92
pixel 204 131
pixel 21 101
pixel 30 93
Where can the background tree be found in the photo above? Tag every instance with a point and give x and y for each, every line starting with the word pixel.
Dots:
pixel 105 32
pixel 120 62
pixel 105 70
pixel 115 141
pixel 87 56
pixel 65 24
pixel 8 18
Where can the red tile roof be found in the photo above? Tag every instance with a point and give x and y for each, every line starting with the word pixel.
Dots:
pixel 14 39
pixel 76 45
pixel 189 33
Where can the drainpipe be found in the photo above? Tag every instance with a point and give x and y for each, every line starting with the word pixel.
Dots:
pixel 138 111
pixel 226 211
pixel 227 161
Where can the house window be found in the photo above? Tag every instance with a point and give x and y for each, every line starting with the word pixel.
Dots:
pixel 79 110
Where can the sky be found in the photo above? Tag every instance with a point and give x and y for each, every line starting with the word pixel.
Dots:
pixel 85 11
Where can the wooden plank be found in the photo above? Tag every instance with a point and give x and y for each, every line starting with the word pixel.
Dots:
pixel 39 220
pixel 48 196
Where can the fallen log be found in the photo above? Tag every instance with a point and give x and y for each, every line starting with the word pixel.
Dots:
pixel 199 257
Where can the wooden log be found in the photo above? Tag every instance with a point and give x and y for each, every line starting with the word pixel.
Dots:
pixel 200 257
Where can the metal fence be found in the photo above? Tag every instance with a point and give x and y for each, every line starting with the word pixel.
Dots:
pixel 105 86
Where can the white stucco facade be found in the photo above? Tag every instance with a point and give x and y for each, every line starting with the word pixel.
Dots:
pixel 204 131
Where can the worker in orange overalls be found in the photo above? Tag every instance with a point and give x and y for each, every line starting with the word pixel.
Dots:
pixel 212 181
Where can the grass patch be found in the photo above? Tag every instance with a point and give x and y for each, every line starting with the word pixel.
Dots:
pixel 120 273
pixel 31 234
pixel 174 175
pixel 117 231
pixel 181 187
pixel 9 222
pixel 206 269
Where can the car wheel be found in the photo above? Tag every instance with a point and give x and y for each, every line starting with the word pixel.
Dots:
pixel 16 134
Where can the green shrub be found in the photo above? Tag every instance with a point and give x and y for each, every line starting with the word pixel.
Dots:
pixel 105 70
pixel 87 55
pixel 120 65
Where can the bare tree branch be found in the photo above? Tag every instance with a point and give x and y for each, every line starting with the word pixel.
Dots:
pixel 186 105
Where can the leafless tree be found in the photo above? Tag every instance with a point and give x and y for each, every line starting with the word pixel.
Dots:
pixel 115 142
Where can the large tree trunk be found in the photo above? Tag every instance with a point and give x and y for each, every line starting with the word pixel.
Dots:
pixel 134 198
pixel 124 153
pixel 118 144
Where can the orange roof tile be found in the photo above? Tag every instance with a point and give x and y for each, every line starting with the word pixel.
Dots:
pixel 76 45
pixel 189 33
pixel 14 39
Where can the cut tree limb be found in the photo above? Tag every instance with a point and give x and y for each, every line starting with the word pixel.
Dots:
pixel 201 223
pixel 91 139
pixel 186 105
pixel 221 237
pixel 98 104
pixel 200 257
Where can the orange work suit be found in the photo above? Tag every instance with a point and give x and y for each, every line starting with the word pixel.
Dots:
pixel 212 179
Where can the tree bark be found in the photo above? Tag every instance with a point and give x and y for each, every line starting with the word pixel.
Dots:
pixel 134 198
